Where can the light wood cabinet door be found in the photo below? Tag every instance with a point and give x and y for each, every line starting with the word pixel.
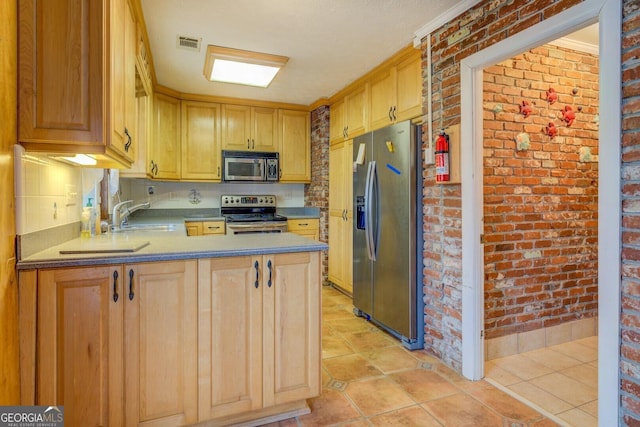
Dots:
pixel 165 145
pixel 264 129
pixel 194 228
pixel 308 227
pixel 64 94
pixel 229 336
pixel 294 129
pixel 396 93
pixel 80 344
pixel 341 215
pixel 122 37
pixel 356 104
pixel 382 99
pixel 337 125
pixel 236 127
pixel 409 88
pixel 348 116
pixel 160 364
pixel 246 128
pixel 291 325
pixel 200 147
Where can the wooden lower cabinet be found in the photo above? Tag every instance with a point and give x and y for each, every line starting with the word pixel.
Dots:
pixel 80 344
pixel 307 227
pixel 117 345
pixel 259 333
pixel 161 342
pixel 203 228
pixel 173 343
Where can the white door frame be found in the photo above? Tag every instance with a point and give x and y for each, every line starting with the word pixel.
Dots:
pixel 608 13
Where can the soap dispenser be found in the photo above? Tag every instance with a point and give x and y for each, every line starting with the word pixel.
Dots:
pixel 85 218
pixel 88 219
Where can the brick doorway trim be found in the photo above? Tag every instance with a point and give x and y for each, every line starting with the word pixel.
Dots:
pixel 608 14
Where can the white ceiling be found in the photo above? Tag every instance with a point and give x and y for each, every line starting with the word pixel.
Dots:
pixel 330 43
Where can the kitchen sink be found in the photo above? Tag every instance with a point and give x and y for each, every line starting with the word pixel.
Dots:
pixel 145 227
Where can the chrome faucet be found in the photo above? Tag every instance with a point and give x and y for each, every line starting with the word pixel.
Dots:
pixel 119 215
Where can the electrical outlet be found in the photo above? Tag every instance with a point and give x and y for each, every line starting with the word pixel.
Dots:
pixel 70 194
pixel 151 190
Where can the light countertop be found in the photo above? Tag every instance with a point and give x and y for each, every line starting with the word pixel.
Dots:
pixel 148 246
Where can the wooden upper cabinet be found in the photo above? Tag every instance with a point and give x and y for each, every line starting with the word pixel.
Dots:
pixel 67 68
pixel 348 116
pixel 200 141
pixel 396 92
pixel 165 145
pixel 246 128
pixel 409 88
pixel 336 121
pixel 294 130
pixel 382 98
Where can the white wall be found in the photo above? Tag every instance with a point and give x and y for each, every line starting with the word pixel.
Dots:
pixel 179 195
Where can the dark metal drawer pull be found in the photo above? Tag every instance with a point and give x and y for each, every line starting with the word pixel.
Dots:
pixel 257 267
pixel 131 285
pixel 115 286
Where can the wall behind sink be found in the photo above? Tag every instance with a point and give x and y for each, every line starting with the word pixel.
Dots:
pixel 48 193
pixel 181 195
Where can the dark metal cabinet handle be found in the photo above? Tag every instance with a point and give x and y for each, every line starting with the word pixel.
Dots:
pixel 394 113
pixel 131 285
pixel 248 143
pixel 115 286
pixel 390 116
pixel 253 144
pixel 212 227
pixel 269 267
pixel 218 171
pixel 257 267
pixel 127 145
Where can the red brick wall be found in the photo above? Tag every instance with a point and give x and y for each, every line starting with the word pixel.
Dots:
pixel 630 316
pixel 316 194
pixel 540 198
pixel 488 22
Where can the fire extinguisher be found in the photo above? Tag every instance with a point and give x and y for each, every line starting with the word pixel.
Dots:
pixel 442 157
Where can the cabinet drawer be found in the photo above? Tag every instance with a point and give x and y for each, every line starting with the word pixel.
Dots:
pixel 303 224
pixel 213 227
pixel 307 227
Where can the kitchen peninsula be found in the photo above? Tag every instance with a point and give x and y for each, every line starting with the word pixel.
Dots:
pixel 178 330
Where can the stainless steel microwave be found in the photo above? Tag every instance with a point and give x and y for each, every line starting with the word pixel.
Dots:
pixel 250 166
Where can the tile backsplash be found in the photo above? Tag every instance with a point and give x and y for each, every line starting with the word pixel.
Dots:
pixel 198 195
pixel 48 193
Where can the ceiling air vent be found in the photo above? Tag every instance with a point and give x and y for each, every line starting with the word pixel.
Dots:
pixel 189 43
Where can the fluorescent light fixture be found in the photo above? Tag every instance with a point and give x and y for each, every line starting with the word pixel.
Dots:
pixel 81 159
pixel 227 65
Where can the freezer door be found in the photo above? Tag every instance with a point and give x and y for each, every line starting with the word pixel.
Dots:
pixel 395 266
pixel 362 267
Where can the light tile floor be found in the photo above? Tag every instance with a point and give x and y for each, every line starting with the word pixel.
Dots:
pixel 369 379
pixel 561 380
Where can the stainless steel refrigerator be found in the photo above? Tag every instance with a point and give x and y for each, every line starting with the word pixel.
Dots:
pixel 387 231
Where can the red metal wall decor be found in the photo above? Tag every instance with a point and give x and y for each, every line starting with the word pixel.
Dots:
pixel 526 108
pixel 568 115
pixel 552 95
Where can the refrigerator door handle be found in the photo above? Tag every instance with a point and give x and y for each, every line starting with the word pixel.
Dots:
pixel 368 195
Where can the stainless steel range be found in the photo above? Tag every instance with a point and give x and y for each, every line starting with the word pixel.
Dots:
pixel 251 214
